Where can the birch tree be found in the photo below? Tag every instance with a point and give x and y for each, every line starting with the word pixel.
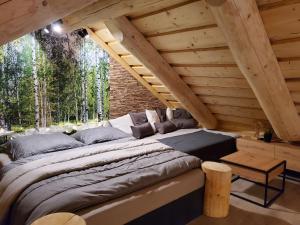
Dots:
pixel 35 84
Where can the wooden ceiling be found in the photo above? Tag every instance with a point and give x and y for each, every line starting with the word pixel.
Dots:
pixel 188 37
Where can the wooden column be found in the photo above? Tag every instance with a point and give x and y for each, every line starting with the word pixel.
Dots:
pixel 244 30
pixel 137 45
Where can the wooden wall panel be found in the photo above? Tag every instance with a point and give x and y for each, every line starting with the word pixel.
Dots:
pixel 175 19
pixel 202 38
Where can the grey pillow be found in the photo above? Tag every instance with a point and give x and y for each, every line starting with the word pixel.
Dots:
pixel 141 131
pixel 165 127
pixel 181 114
pixel 25 146
pixel 138 118
pixel 99 134
pixel 185 123
pixel 161 114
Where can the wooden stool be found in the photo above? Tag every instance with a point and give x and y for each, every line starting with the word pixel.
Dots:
pixel 217 189
pixel 60 219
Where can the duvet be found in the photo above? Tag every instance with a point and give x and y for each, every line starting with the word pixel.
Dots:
pixel 75 179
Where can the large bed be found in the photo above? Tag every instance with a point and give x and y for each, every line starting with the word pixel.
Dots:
pixel 127 181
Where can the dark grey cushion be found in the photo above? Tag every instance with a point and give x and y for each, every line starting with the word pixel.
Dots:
pixel 25 146
pixel 99 134
pixel 185 123
pixel 138 118
pixel 141 131
pixel 181 114
pixel 161 114
pixel 165 127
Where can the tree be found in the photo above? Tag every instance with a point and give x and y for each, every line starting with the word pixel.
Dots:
pixel 36 84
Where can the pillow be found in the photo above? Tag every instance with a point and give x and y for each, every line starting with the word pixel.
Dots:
pixel 99 134
pixel 169 113
pixel 161 114
pixel 185 123
pixel 181 114
pixel 25 146
pixel 152 118
pixel 165 127
pixel 141 131
pixel 122 123
pixel 138 118
pixel 104 123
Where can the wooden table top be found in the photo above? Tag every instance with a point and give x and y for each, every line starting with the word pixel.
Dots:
pixel 251 160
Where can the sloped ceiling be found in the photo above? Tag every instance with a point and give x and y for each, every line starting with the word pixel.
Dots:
pixel 186 35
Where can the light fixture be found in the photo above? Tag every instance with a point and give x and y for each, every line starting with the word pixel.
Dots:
pixel 56 27
pixel 83 33
pixel 46 30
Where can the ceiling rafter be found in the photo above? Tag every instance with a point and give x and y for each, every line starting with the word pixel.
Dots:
pixel 239 20
pixel 124 31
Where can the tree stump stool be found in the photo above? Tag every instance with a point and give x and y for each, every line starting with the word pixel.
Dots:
pixel 217 189
pixel 60 219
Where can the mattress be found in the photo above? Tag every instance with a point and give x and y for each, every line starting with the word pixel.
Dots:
pixel 120 210
pixel 203 144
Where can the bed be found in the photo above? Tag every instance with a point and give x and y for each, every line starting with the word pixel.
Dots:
pixel 99 179
pixel 162 185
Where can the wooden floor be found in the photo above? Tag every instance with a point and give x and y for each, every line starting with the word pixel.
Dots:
pixel 285 211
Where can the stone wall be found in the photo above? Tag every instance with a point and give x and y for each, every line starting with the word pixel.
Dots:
pixel 127 94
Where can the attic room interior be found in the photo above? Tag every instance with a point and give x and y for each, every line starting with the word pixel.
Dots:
pixel 135 112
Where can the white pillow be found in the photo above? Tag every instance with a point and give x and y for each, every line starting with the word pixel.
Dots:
pixel 152 118
pixel 122 123
pixel 104 123
pixel 169 114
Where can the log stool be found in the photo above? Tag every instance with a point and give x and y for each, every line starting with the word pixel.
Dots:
pixel 217 189
pixel 60 219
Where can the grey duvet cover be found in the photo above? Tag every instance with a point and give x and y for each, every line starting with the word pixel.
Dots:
pixel 76 179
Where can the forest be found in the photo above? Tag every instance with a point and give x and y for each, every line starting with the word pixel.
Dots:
pixel 48 79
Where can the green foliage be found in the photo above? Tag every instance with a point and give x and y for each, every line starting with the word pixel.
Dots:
pixel 64 62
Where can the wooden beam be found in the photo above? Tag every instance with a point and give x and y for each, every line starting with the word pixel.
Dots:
pixel 137 44
pixel 19 17
pixel 244 30
pixel 109 9
pixel 118 58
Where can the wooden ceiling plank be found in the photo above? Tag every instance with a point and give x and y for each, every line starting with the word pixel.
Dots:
pixel 200 57
pixel 233 72
pixel 186 16
pixel 19 17
pixel 109 9
pixel 204 38
pixel 138 45
pixel 225 92
pixel 239 20
pixel 216 82
pixel 114 55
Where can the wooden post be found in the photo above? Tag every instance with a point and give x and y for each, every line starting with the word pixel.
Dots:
pixel 217 189
pixel 124 31
pixel 248 41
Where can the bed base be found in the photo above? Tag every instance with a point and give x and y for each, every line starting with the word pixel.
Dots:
pixel 179 212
